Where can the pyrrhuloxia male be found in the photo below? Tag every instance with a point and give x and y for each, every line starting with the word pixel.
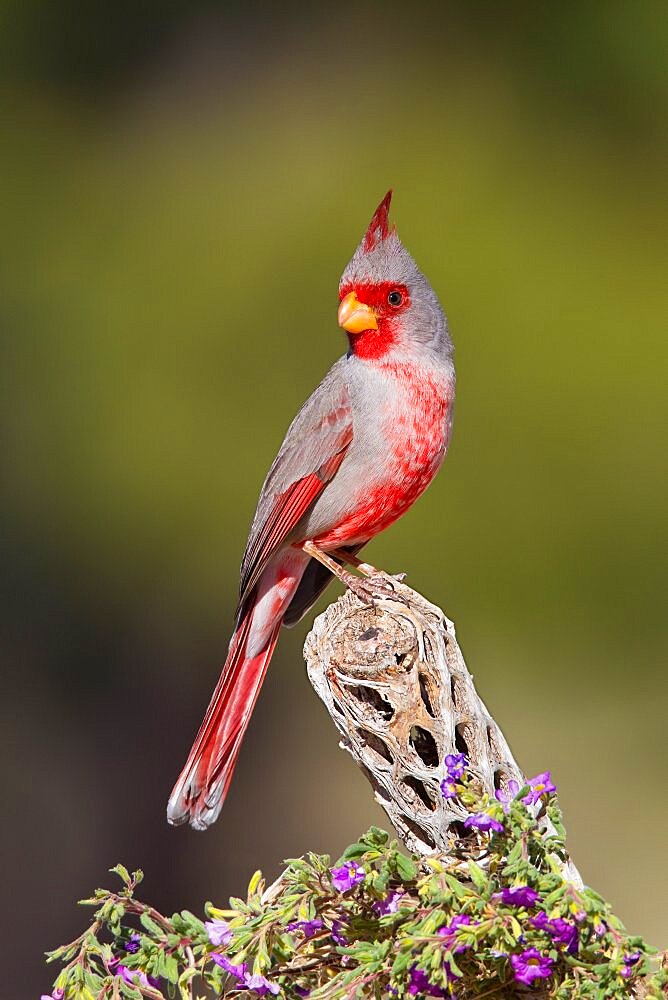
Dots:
pixel 360 451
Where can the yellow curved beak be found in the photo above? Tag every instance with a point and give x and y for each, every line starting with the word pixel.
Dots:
pixel 355 316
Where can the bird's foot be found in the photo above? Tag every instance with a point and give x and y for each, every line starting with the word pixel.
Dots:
pixel 374 586
pixel 373 583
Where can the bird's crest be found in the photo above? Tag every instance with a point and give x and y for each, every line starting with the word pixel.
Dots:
pixel 379 227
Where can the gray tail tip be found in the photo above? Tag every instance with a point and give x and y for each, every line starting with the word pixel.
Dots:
pixel 177 812
pixel 199 812
pixel 176 819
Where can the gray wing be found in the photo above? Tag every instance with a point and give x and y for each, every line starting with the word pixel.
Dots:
pixel 312 451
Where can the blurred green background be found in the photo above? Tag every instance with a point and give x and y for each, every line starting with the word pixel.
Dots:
pixel 183 184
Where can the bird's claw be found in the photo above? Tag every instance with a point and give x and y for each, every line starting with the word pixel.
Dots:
pixel 359 587
pixel 377 585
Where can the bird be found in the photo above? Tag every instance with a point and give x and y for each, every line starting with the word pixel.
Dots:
pixel 361 450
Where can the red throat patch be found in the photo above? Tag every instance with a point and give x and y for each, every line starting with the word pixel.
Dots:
pixel 379 227
pixel 375 344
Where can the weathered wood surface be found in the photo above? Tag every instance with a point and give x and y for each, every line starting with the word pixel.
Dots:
pixel 395 683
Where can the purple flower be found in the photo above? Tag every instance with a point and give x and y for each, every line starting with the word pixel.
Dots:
pixel 542 784
pixel 348 875
pixel 132 944
pixel 218 932
pixel 507 796
pixel 562 932
pixel 255 982
pixel 307 927
pixel 483 821
pixel 449 932
pixel 238 971
pixel 456 764
pixel 337 933
pixel 260 985
pixel 419 983
pixel 449 789
pixel 601 929
pixel 135 977
pixel 629 961
pixel 530 965
pixel 57 994
pixel 388 905
pixel 518 895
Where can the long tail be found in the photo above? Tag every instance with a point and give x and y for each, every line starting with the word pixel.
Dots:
pixel 199 793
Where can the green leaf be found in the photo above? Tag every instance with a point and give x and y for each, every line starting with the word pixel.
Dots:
pixel 515 925
pixel 255 880
pixel 453 965
pixel 356 850
pixel 406 868
pixel 122 872
pixel 171 972
pixel 129 991
pixel 193 923
pixel 553 897
pixel 376 837
pixel 401 962
pixel 380 882
pixel 455 885
pixel 478 876
pixel 151 926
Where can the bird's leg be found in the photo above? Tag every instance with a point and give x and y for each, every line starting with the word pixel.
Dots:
pixel 374 584
pixel 347 578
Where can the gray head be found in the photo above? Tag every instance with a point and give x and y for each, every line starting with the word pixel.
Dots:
pixel 387 304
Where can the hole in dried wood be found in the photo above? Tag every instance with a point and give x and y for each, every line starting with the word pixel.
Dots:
pixel 460 740
pixel 418 787
pixel 372 697
pixel 417 830
pixel 490 742
pixel 370 633
pixel 376 744
pixel 498 776
pixel 400 657
pixel 337 706
pixel 460 831
pixel 424 745
pixel 453 690
pixel 424 694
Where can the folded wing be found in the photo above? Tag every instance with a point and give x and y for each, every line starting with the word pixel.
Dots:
pixel 313 449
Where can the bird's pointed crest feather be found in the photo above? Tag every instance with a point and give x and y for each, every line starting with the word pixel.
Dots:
pixel 379 227
pixel 380 255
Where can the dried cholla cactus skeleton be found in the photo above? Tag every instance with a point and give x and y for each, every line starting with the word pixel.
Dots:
pixel 395 683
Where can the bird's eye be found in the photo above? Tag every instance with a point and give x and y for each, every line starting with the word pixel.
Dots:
pixel 395 298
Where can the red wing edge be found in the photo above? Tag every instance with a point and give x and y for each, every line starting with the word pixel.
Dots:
pixel 288 509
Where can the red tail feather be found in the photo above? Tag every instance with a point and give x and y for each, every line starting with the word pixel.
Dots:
pixel 199 793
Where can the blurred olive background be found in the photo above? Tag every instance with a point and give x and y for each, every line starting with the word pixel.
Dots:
pixel 182 185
